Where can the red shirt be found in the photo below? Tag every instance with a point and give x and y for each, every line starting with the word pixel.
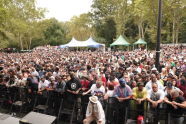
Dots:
pixel 85 84
pixel 183 89
pixel 104 80
pixel 114 83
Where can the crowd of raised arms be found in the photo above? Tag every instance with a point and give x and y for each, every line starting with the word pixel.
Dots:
pixel 121 74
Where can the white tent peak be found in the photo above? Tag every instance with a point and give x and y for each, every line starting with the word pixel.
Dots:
pixel 88 43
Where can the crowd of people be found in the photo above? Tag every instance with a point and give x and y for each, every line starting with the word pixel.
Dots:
pixel 124 75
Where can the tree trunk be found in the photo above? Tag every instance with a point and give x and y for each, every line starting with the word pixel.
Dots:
pixel 20 41
pixel 177 34
pixel 27 46
pixel 178 26
pixel 142 33
pixel 30 42
pixel 139 30
pixel 173 28
pixel 173 31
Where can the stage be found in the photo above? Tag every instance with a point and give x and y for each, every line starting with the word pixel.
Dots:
pixel 32 117
pixel 8 119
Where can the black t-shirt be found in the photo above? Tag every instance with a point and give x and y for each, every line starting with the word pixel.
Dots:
pixel 73 84
pixel 31 85
pixel 176 112
pixel 91 83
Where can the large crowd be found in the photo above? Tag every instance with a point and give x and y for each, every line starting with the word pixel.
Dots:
pixel 124 75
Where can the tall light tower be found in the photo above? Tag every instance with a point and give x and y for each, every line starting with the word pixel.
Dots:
pixel 158 35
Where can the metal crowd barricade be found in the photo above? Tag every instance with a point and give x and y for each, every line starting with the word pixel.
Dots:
pixel 3 95
pixel 67 107
pixel 57 96
pixel 156 115
pixel 41 102
pixel 84 103
pixel 149 116
pixel 116 112
pixel 111 110
pixel 137 109
pixel 169 121
pixel 20 98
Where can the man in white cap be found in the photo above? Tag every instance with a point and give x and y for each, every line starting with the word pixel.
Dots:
pixel 94 111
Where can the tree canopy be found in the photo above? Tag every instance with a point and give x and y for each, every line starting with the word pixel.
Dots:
pixel 22 24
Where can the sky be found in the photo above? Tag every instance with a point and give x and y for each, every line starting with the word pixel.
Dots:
pixel 64 10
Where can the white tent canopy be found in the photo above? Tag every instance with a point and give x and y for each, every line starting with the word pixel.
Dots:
pixel 91 43
pixel 88 43
pixel 72 43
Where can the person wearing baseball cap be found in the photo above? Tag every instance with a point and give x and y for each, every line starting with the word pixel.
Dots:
pixel 94 111
pixel 139 95
pixel 123 93
pixel 169 87
pixel 176 106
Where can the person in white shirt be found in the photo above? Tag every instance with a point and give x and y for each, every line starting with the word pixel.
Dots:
pixel 34 72
pixel 148 86
pixel 43 84
pixel 155 96
pixel 20 81
pixel 110 92
pixel 96 89
pixel 94 111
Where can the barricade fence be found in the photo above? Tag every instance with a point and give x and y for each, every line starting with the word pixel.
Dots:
pixel 115 111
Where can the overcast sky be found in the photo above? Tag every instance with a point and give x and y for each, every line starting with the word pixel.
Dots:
pixel 64 10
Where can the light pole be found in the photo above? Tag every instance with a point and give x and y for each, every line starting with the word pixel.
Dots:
pixel 158 35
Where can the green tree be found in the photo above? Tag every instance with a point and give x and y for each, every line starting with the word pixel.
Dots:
pixel 175 17
pixel 54 33
pixel 103 11
pixel 109 31
pixel 18 15
pixel 139 13
pixel 80 27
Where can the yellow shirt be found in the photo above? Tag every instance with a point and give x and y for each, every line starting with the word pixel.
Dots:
pixel 139 94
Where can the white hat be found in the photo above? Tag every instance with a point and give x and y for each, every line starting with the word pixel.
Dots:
pixel 93 99
pixel 154 69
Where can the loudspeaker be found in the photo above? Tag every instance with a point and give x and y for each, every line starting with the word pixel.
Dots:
pixel 24 122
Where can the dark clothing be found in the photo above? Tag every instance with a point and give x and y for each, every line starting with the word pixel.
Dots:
pixel 176 112
pixel 31 85
pixel 140 108
pixel 73 84
pixel 122 108
pixel 91 83
pixel 183 89
pixel 60 87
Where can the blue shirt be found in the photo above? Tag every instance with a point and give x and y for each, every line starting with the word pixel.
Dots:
pixel 122 92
